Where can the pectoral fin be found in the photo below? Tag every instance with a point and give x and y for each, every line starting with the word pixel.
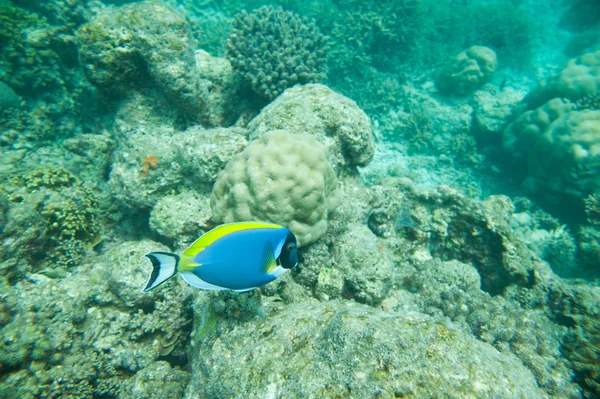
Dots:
pixel 269 263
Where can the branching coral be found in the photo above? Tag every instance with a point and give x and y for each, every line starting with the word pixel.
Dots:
pixel 591 101
pixel 274 49
pixel 51 216
pixel 376 32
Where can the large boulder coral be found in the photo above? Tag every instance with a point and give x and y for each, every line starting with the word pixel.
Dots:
pixel 555 134
pixel 334 120
pixel 467 71
pixel 274 49
pixel 344 349
pixel 580 78
pixel 122 48
pixel 283 178
pixel 573 142
pixel 521 134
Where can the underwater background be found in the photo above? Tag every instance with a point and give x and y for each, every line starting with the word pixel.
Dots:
pixel 437 160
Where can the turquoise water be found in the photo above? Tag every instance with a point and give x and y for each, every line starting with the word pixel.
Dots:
pixel 436 162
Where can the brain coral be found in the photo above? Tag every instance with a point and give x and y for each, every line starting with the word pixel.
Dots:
pixel 274 49
pixel 467 71
pixel 282 178
pixel 332 119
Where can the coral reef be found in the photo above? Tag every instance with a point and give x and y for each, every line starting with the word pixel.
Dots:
pixel 189 158
pixel 356 265
pixel 376 33
pixel 121 48
pixel 592 209
pixel 341 349
pixel 556 125
pixel 226 101
pixel 51 221
pixel 182 218
pixel 283 178
pixel 8 98
pixel 522 134
pixel 570 142
pixel 588 236
pixel 546 236
pixel 134 183
pixel 506 27
pixel 330 118
pixel 580 78
pixel 207 152
pixel 459 257
pixel 578 307
pixel 38 62
pixel 591 101
pixel 274 49
pixel 93 334
pixel 467 72
pixel 422 268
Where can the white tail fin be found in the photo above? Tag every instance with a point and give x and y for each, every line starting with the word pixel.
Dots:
pixel 164 267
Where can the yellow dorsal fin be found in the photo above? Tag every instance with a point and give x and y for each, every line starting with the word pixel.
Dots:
pixel 221 231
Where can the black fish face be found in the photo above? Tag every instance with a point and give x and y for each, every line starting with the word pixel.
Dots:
pixel 289 252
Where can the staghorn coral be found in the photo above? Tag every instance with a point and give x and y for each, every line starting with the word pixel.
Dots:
pixel 283 178
pixel 274 49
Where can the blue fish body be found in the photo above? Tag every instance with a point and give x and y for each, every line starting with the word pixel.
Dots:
pixel 236 261
pixel 234 256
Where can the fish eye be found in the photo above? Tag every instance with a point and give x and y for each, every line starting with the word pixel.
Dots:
pixel 290 246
